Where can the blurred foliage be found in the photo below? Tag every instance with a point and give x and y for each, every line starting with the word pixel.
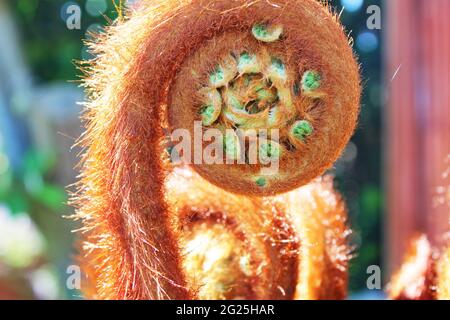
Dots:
pixel 23 189
pixel 50 49
pixel 27 186
pixel 360 182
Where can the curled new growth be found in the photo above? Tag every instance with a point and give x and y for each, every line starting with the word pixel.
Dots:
pixel 424 273
pixel 285 66
pixel 236 247
pixel 230 64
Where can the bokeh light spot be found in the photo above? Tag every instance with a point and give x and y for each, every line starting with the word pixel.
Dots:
pixel 93 30
pixel 96 7
pixel 352 5
pixel 63 12
pixel 367 42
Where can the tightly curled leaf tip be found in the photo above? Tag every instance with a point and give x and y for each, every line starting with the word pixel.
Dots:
pixel 150 77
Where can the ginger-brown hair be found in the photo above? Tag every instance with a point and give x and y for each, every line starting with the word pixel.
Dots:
pixel 293 246
pixel 424 273
pixel 138 86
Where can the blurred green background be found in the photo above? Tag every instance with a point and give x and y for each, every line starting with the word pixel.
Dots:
pixel 39 124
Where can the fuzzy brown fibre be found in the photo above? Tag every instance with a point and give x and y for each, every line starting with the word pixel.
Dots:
pixel 132 247
pixel 312 39
pixel 319 217
pixel 424 274
pixel 416 278
pixel 443 278
pixel 235 247
pixel 255 248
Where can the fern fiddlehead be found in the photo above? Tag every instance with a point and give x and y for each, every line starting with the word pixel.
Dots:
pixel 228 64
